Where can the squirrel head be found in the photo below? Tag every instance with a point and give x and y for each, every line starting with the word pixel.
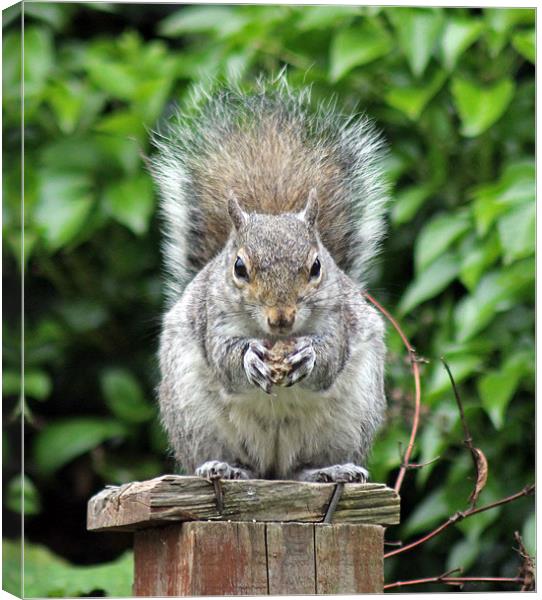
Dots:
pixel 275 263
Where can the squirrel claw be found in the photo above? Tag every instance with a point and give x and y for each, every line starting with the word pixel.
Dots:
pixel 215 469
pixel 256 370
pixel 347 473
pixel 302 362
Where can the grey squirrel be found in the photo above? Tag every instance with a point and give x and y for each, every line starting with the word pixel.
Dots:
pixel 272 361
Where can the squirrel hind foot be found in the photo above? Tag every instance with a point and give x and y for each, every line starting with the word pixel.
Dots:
pixel 347 473
pixel 217 469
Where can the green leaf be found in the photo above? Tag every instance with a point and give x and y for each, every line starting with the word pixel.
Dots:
pixel 496 292
pixel 515 187
pixel 477 260
pixel 517 233
pixel 118 80
pixel 411 100
pixel 437 236
pixel 463 554
pixel 417 30
pixel 357 46
pixel 63 206
pixel 22 488
pixel 459 34
pixel 461 366
pixel 54 15
pixel 38 59
pixel 497 388
pixel 479 107
pixel 203 19
pixel 124 396
pixel 37 384
pixel 524 43
pixel 408 201
pixel 430 511
pixel 62 441
pixel 131 202
pixel 528 534
pixel 322 17
pixel 430 282
pixel 47 575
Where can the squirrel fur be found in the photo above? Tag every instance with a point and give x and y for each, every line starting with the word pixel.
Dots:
pixel 272 361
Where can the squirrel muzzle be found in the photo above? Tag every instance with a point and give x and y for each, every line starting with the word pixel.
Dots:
pixel 280 319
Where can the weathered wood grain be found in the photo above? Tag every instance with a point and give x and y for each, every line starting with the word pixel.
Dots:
pixel 172 498
pixel 349 558
pixel 201 559
pixel 290 558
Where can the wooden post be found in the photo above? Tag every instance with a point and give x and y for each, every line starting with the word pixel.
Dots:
pixel 193 537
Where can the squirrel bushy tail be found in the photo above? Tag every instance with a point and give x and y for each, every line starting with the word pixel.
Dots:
pixel 269 148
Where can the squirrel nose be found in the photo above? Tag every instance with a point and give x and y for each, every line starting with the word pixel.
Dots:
pixel 281 318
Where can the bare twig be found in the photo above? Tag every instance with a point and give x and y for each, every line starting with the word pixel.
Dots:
pixel 478 457
pixel 527 567
pixel 459 516
pixel 414 365
pixel 459 581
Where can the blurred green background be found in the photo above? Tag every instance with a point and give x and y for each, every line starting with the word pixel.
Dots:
pixel 453 92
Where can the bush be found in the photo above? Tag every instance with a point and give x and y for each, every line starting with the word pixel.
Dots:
pixel 453 91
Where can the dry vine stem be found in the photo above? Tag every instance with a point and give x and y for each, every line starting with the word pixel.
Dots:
pixel 478 457
pixel 459 516
pixel 414 364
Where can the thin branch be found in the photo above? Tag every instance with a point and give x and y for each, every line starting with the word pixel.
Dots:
pixel 478 457
pixel 459 516
pixel 459 581
pixel 414 365
pixel 527 567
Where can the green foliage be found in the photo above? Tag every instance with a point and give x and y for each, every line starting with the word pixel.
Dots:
pixel 453 91
pixel 48 576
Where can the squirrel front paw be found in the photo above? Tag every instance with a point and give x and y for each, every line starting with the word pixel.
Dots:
pixel 347 473
pixel 216 469
pixel 257 370
pixel 301 362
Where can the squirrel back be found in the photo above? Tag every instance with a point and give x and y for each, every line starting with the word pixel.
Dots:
pixel 270 150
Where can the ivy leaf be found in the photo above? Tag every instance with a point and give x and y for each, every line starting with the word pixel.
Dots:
pixel 497 388
pixel 524 43
pixel 202 19
pixel 477 260
pixel 516 186
pixel 430 282
pixel 64 203
pixel 357 46
pixel 124 396
pixel 497 291
pixel 38 59
pixel 62 441
pixel 131 202
pixel 437 236
pixel 461 365
pixel 23 488
pixel 479 107
pixel 408 201
pixel 411 100
pixel 459 34
pixel 322 17
pixel 417 30
pixel 432 509
pixel 517 233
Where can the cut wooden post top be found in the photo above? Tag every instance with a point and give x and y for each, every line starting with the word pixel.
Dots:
pixel 169 498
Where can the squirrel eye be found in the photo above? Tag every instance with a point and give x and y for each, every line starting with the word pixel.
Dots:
pixel 315 269
pixel 240 269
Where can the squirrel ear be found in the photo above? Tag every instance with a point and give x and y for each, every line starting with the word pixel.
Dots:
pixel 237 215
pixel 310 212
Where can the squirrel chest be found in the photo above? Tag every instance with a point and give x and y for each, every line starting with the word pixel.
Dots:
pixel 278 431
